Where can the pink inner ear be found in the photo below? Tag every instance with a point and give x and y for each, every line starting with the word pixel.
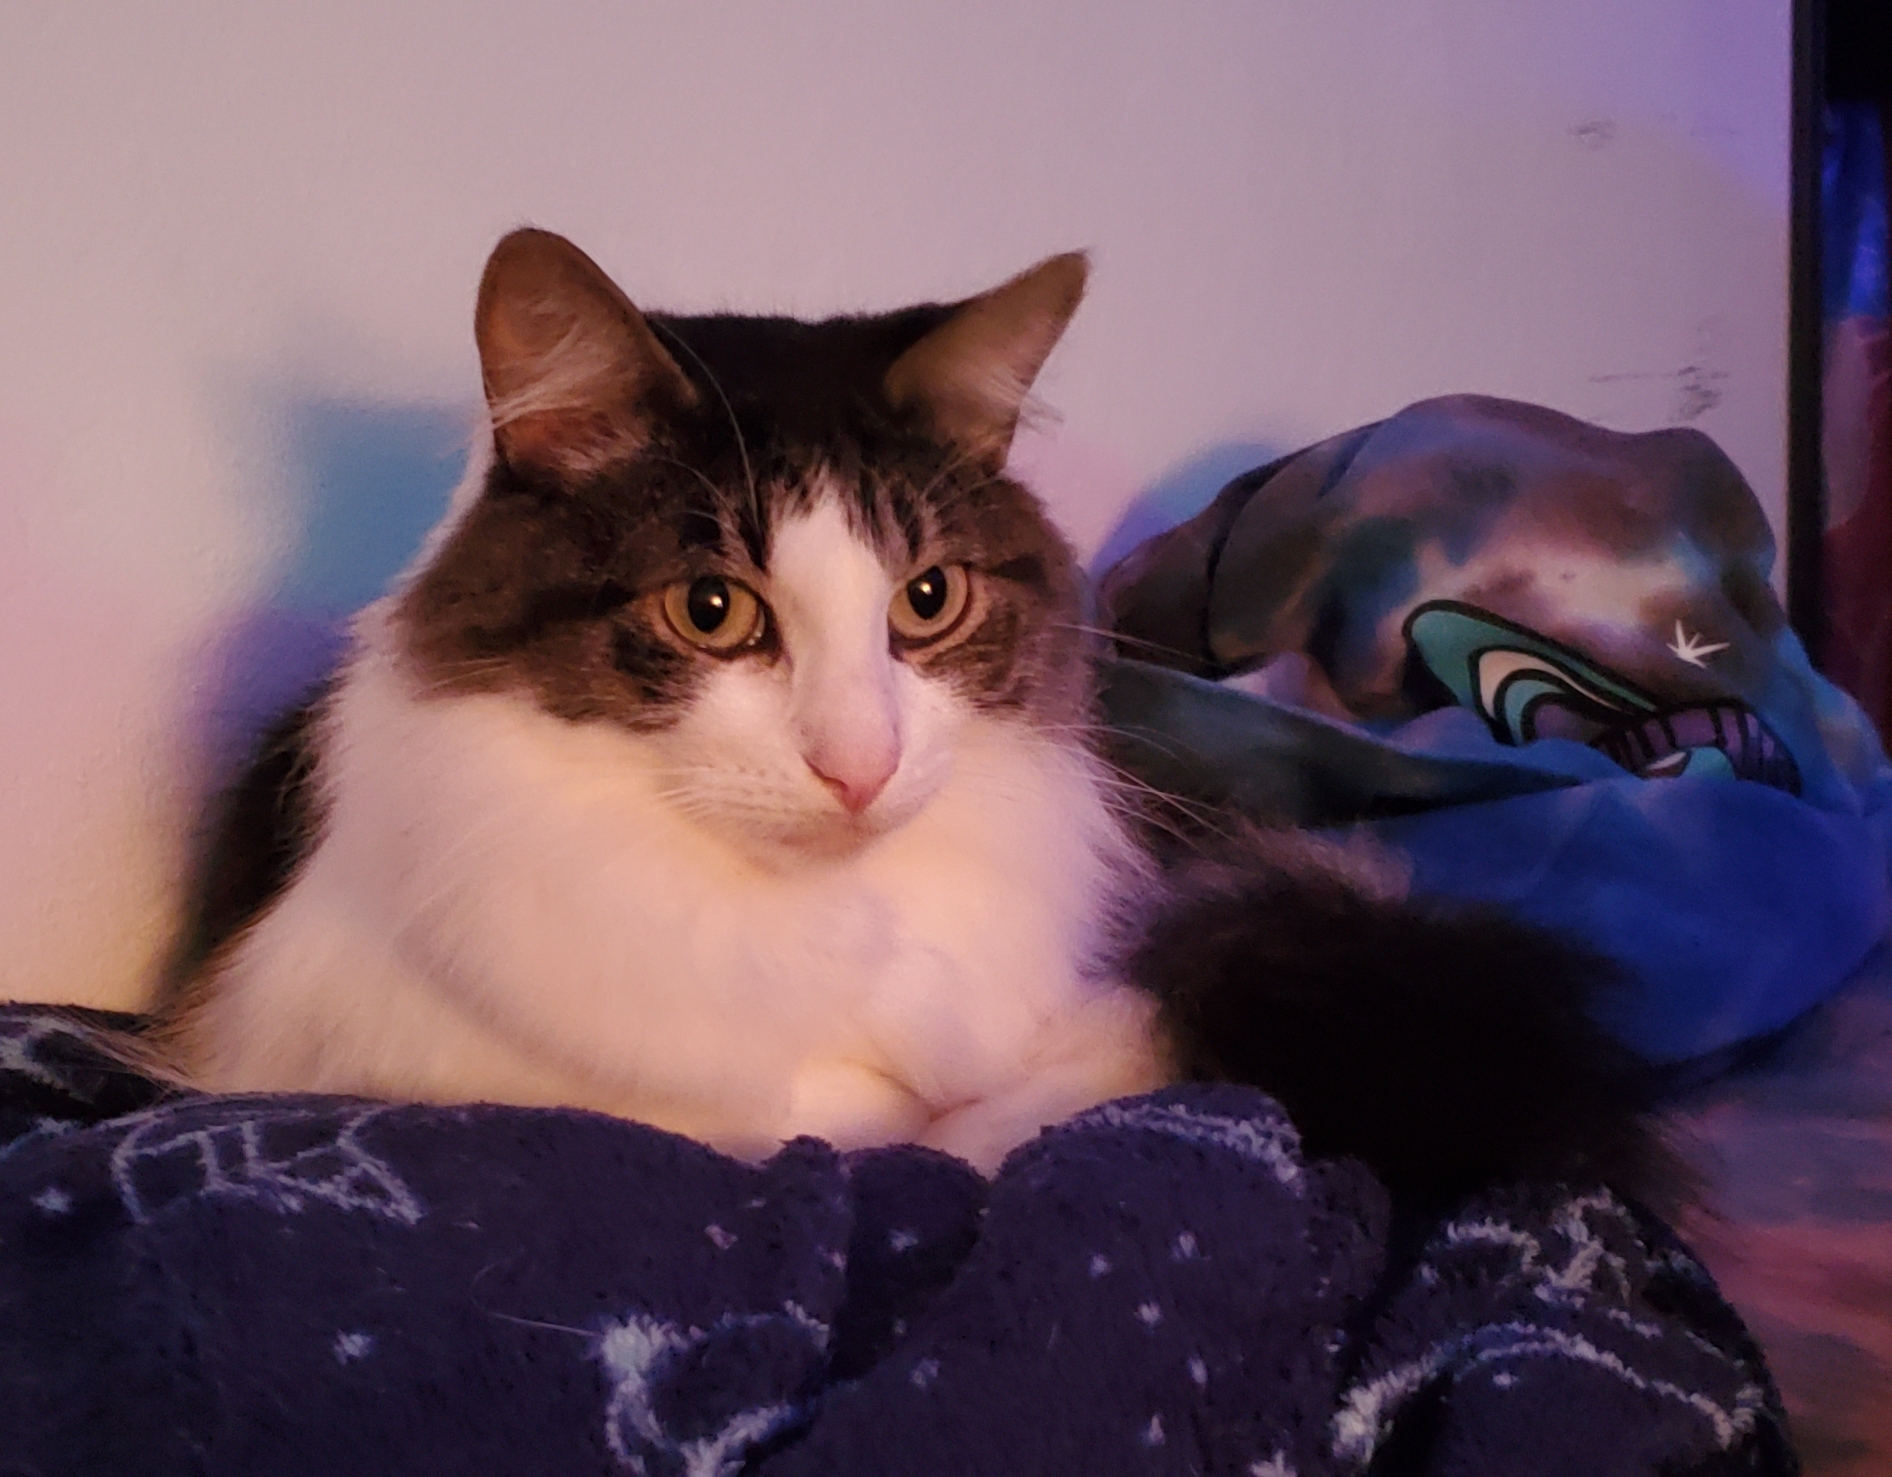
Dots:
pixel 972 373
pixel 574 375
pixel 568 400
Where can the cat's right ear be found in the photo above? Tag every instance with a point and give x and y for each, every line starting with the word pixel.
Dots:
pixel 575 378
pixel 970 375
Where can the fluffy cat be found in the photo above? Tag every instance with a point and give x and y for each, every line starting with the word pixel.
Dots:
pixel 727 762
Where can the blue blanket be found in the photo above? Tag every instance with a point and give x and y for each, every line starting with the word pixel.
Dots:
pixel 278 1285
pixel 1543 660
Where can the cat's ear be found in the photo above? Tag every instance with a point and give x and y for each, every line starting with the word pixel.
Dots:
pixel 575 377
pixel 971 374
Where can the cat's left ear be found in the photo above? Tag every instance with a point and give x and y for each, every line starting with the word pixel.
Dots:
pixel 575 376
pixel 971 374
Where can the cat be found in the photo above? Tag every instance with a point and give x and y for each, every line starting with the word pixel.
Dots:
pixel 727 761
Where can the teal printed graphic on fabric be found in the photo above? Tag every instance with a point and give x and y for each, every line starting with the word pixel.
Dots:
pixel 1505 671
pixel 1527 686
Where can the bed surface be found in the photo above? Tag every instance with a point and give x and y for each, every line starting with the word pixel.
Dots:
pixel 1796 1152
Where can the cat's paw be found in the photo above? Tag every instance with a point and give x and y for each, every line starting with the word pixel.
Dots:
pixel 852 1106
pixel 979 1135
pixel 1104 1049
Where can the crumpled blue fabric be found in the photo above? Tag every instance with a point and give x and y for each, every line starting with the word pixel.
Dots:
pixel 1672 783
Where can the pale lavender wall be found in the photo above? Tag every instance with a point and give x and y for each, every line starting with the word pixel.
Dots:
pixel 238 244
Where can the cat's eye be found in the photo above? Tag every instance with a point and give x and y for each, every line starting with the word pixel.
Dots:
pixel 930 604
pixel 714 613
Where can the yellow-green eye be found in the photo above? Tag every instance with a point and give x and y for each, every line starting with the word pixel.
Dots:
pixel 930 604
pixel 714 613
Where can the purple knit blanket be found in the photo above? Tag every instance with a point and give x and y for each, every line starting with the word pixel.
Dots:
pixel 278 1285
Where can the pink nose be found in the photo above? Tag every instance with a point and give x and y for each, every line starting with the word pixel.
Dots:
pixel 856 785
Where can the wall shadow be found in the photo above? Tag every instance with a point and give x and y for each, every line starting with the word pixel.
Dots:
pixel 372 480
pixel 367 481
pixel 1179 494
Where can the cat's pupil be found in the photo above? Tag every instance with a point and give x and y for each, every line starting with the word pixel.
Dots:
pixel 926 593
pixel 708 603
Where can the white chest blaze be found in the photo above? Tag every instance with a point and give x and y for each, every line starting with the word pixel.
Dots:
pixel 693 927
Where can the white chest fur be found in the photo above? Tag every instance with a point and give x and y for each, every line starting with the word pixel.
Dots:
pixel 508 906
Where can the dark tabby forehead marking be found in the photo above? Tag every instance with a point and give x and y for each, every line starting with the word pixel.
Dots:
pixel 549 584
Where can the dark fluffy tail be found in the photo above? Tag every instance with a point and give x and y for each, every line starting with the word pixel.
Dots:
pixel 1449 1048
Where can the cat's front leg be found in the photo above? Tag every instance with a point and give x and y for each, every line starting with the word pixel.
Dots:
pixel 853 1106
pixel 1103 1048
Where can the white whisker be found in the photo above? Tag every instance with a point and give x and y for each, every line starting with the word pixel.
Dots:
pixel 1122 638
